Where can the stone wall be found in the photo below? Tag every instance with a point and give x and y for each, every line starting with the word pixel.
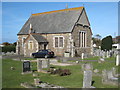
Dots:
pixel 28 52
pixel 19 47
pixel 71 43
pixel 59 51
pixel 75 35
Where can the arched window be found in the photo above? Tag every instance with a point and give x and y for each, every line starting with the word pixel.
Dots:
pixel 30 45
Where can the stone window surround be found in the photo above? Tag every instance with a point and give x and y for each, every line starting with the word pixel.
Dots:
pixel 29 44
pixel 23 39
pixel 84 44
pixel 58 41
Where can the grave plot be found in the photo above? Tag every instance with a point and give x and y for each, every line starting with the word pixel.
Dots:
pixel 74 80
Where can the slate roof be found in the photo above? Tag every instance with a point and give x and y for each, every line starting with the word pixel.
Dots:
pixel 58 21
pixel 39 38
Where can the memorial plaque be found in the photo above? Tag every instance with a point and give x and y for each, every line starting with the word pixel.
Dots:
pixel 26 66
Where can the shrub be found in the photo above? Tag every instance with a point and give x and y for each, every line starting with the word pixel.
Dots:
pixel 64 72
pixel 9 48
pixel 106 43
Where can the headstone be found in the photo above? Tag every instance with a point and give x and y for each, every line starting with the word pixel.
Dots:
pixel 36 81
pixel 87 67
pixel 87 80
pixel 3 53
pixel 107 77
pixel 82 56
pixel 104 76
pixel 39 65
pixel 118 58
pixel 42 63
pixel 107 54
pixel 111 53
pixel 103 54
pixel 12 53
pixel 8 53
pixel 27 85
pixel 26 66
pixel 110 76
pixel 101 60
pixel 114 72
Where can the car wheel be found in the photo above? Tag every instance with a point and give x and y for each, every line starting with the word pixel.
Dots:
pixel 46 56
pixel 34 56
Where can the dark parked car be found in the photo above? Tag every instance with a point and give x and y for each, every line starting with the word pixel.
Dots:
pixel 43 53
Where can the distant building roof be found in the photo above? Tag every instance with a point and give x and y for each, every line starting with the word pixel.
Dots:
pixel 59 21
pixel 116 39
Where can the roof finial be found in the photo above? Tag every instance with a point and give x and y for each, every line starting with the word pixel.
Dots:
pixel 30 26
pixel 66 6
pixel 83 4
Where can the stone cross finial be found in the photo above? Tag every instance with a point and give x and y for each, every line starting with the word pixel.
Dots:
pixel 66 6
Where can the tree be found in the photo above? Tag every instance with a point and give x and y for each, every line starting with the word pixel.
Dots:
pixel 15 43
pixel 96 41
pixel 6 43
pixel 106 43
pixel 98 36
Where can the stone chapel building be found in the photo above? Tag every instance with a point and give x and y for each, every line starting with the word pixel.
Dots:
pixel 66 30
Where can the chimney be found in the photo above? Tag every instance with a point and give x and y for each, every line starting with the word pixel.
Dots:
pixel 30 31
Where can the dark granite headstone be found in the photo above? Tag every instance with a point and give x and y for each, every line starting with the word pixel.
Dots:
pixel 26 66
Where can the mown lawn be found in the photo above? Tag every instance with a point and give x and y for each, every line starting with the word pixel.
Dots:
pixel 92 58
pixel 13 78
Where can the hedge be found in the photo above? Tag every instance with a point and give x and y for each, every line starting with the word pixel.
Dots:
pixel 9 48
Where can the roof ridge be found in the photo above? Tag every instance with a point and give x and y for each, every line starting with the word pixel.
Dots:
pixel 76 8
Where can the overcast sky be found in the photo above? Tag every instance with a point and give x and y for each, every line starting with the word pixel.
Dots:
pixel 103 16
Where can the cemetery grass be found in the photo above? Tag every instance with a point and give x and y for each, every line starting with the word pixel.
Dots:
pixel 92 58
pixel 13 78
pixel 30 59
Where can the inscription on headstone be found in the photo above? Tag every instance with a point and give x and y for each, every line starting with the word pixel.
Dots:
pixel 26 66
